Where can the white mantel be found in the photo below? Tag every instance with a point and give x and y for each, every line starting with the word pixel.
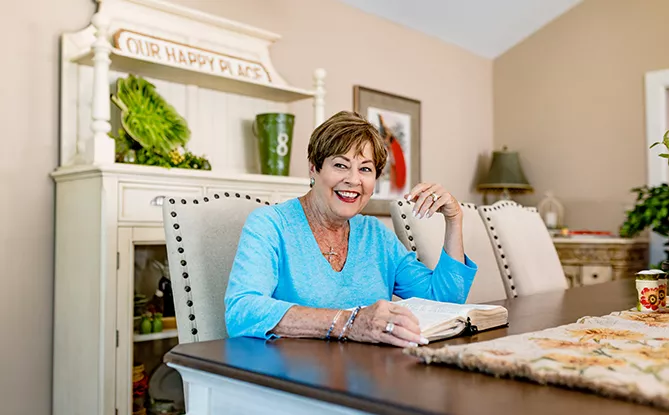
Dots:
pixel 75 172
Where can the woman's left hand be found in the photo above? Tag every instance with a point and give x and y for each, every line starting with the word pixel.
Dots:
pixel 430 198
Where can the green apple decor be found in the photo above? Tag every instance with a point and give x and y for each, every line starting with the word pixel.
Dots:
pixel 145 325
pixel 157 323
pixel 152 132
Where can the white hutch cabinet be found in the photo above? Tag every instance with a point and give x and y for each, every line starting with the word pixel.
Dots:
pixel 218 75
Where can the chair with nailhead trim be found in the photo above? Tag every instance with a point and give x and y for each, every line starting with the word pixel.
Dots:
pixel 201 236
pixel 525 252
pixel 426 238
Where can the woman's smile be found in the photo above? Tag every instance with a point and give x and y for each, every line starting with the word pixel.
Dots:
pixel 347 196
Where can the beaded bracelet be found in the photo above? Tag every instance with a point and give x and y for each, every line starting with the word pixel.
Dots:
pixel 334 321
pixel 349 323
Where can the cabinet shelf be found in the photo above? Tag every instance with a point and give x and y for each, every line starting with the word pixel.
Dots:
pixel 123 62
pixel 165 334
pixel 173 174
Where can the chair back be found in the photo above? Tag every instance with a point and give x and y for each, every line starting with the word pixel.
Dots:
pixel 423 236
pixel 488 284
pixel 201 235
pixel 426 238
pixel 524 249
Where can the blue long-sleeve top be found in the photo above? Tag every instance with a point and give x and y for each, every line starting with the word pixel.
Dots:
pixel 279 264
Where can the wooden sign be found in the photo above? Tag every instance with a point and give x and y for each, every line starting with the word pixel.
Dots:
pixel 183 56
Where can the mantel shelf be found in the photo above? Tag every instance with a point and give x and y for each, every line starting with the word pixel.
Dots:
pixel 67 172
pixel 138 66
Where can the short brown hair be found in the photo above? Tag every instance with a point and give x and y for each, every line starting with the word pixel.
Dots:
pixel 341 132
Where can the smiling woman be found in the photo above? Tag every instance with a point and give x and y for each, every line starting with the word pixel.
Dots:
pixel 346 156
pixel 315 267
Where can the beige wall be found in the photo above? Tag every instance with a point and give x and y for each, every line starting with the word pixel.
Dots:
pixel 570 99
pixel 454 86
pixel 29 140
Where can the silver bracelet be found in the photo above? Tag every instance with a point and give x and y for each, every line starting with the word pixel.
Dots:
pixel 334 321
pixel 349 323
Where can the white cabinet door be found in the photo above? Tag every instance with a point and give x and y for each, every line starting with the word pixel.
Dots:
pixel 138 250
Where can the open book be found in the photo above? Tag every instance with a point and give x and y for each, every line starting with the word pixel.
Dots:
pixel 442 320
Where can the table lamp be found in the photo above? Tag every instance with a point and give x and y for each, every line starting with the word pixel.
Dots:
pixel 505 175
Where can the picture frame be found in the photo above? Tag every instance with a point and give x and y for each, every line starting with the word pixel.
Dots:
pixel 398 119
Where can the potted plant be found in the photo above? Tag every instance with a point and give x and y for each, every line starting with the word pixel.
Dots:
pixel 651 209
pixel 152 131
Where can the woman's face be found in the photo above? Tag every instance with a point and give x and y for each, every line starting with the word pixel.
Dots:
pixel 345 183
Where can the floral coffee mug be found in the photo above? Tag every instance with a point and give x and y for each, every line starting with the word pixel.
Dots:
pixel 651 287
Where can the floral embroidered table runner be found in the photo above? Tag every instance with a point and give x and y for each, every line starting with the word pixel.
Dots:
pixel 623 355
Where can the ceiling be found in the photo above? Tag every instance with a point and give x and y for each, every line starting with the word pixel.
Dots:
pixel 485 27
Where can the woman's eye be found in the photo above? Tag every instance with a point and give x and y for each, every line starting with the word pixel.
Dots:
pixel 366 169
pixel 340 166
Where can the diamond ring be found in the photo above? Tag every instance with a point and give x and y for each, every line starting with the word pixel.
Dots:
pixel 389 327
pixel 435 196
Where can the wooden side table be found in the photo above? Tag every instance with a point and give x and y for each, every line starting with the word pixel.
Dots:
pixel 588 261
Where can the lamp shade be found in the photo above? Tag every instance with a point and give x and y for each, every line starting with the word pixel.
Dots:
pixel 505 173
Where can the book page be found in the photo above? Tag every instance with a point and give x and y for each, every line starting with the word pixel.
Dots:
pixel 431 313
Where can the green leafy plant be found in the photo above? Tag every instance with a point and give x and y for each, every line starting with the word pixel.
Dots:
pixel 130 151
pixel 665 141
pixel 153 133
pixel 651 209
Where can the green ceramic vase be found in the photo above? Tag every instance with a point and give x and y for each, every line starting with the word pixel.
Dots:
pixel 274 132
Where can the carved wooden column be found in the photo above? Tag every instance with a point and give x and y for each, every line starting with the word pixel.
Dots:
pixel 101 148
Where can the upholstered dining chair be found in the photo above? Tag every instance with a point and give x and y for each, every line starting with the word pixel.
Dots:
pixel 426 237
pixel 525 252
pixel 201 236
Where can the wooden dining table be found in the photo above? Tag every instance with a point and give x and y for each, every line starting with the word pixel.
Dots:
pixel 247 375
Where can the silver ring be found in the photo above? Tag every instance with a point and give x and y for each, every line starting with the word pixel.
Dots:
pixel 435 196
pixel 389 327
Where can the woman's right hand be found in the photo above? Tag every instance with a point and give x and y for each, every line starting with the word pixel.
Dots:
pixel 370 324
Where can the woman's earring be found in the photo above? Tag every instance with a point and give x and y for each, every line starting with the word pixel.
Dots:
pixel 312 182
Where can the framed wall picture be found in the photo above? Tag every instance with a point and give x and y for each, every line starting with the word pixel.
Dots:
pixel 398 120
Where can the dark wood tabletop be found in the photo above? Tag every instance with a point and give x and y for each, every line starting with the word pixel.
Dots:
pixel 383 380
